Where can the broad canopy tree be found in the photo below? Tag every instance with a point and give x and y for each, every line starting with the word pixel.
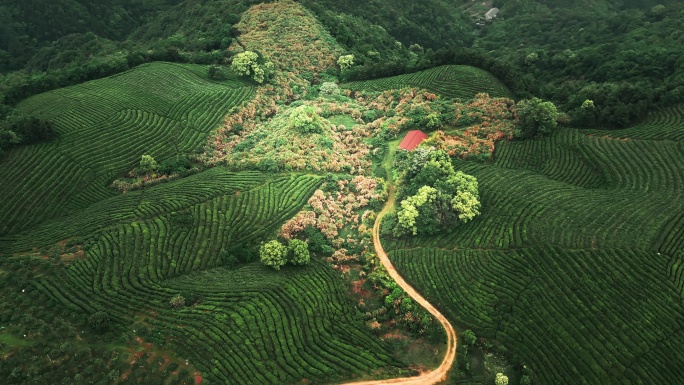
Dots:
pixel 433 195
pixel 536 118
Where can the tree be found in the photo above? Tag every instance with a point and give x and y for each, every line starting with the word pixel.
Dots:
pixel 330 89
pixel 274 254
pixel 345 62
pixel 147 165
pixel 306 120
pixel 247 64
pixel 410 208
pixel 99 321
pixel 299 251
pixel 466 204
pixel 536 118
pixel 437 196
pixel 177 301
pixel 501 379
pixel 469 337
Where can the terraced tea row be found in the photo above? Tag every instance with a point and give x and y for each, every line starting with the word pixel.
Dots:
pixel 667 124
pixel 572 157
pixel 253 325
pixel 607 314
pixel 453 81
pixel 105 125
pixel 521 207
pixel 158 200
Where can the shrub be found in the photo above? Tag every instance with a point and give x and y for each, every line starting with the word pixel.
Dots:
pixel 274 254
pixel 329 89
pixel 305 120
pixel 99 321
pixel 216 73
pixel 299 252
pixel 177 301
pixel 501 379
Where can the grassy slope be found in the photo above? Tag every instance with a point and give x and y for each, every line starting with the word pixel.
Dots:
pixel 575 263
pixel 105 126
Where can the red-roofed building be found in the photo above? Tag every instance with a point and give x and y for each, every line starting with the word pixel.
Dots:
pixel 412 140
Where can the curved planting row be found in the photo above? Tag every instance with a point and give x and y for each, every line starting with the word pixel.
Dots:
pixel 521 207
pixel 589 161
pixel 675 270
pixel 598 317
pixel 670 239
pixel 561 157
pixel 105 125
pixel 453 81
pixel 667 124
pixel 154 201
pixel 253 325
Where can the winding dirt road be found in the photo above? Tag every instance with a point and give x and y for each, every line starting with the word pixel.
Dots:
pixel 440 373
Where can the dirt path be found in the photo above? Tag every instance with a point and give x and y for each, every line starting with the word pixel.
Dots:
pixel 438 374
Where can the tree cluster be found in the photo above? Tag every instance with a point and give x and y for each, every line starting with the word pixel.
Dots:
pixel 433 195
pixel 535 118
pixel 20 130
pixel 306 120
pixel 627 60
pixel 277 255
pixel 252 65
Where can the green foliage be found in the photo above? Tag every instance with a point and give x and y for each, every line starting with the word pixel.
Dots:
pixel 345 62
pixel 536 118
pixel 621 57
pixel 299 252
pixel 407 216
pixel 306 120
pixel 99 321
pixel 318 243
pixel 329 89
pixel 469 337
pixel 177 301
pixel 433 195
pixel 501 379
pixel 215 72
pixel 19 130
pixel 147 165
pixel 273 254
pixel 248 64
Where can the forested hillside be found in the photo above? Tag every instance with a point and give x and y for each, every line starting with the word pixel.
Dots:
pixel 622 55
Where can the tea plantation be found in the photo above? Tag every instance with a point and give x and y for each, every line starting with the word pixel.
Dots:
pixel 575 264
pixel 158 109
pixel 453 81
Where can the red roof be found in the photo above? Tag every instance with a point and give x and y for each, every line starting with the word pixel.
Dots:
pixel 412 140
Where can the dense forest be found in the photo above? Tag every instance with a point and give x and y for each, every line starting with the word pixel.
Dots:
pixel 621 55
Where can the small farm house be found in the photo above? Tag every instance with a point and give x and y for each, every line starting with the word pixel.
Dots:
pixel 412 140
